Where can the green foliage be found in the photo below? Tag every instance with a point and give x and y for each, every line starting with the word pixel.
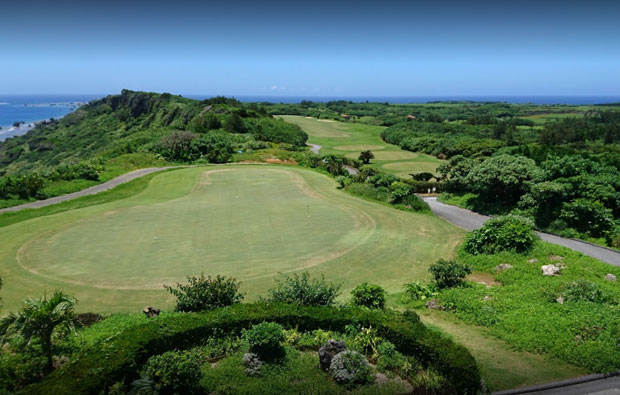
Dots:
pixel 43 319
pixel 350 368
pixel 503 179
pixel 206 293
pixel 525 311
pixel 234 124
pixel 122 353
pixel 448 273
pixel 266 340
pixel 508 233
pixel 215 147
pixel 366 156
pixel 417 290
pixel 390 359
pixel 300 290
pixel 588 216
pixel 583 291
pixel 369 295
pixel 399 191
pixel 174 371
pixel 252 363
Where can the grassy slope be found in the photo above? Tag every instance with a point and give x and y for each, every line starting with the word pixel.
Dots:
pixel 107 255
pixel 349 139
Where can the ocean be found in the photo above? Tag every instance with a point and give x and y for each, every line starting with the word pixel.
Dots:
pixel 32 108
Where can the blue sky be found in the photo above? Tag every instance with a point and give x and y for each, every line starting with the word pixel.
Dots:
pixel 319 48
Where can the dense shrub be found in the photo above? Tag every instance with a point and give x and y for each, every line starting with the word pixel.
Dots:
pixel 174 371
pixel 134 345
pixel 508 233
pixel 215 147
pixel 389 358
pixel 419 291
pixel 205 293
pixel 583 291
pixel 266 340
pixel 448 273
pixel 369 295
pixel 350 368
pixel 589 217
pixel 300 290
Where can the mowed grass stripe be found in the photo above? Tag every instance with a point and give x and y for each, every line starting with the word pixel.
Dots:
pixel 250 222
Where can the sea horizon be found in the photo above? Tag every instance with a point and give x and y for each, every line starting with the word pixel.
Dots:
pixel 30 108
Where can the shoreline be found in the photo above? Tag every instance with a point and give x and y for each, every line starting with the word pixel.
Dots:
pixel 13 131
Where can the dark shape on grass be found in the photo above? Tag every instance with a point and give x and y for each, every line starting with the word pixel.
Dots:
pixel 329 351
pixel 151 312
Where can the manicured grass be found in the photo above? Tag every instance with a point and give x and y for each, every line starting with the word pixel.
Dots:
pixel 250 222
pixel 349 139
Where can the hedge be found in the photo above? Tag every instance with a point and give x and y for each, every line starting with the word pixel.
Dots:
pixel 119 360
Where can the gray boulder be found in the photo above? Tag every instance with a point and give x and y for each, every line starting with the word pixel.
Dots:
pixel 551 270
pixel 328 351
pixel 611 277
pixel 502 267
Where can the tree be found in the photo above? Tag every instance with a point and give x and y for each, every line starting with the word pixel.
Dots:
pixel 234 124
pixel 503 179
pixel 366 156
pixel 177 145
pixel 424 176
pixel 42 319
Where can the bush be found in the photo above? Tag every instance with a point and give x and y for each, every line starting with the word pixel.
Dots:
pixel 399 191
pixel 131 346
pixel 369 295
pixel 420 291
pixel 589 217
pixel 266 340
pixel 389 357
pixel 509 233
pixel 583 291
pixel 253 364
pixel 206 293
pixel 350 368
pixel 448 273
pixel 174 371
pixel 301 291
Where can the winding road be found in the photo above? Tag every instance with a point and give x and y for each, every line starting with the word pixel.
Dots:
pixel 132 175
pixel 469 220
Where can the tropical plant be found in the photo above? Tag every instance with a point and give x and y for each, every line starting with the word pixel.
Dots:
pixel 43 319
pixel 369 295
pixel 205 293
pixel 448 273
pixel 302 291
pixel 509 233
pixel 266 340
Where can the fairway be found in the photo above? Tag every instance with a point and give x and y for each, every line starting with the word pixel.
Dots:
pixel 250 222
pixel 349 139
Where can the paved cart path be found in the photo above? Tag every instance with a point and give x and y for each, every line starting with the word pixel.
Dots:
pixel 469 220
pixel 132 175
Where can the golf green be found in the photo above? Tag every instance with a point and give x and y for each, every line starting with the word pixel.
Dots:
pixel 249 222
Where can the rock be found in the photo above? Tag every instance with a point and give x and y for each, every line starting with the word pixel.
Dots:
pixel 551 270
pixel 328 351
pixel 555 257
pixel 151 312
pixel 433 304
pixel 560 299
pixel 502 267
pixel 533 260
pixel 486 298
pixel 611 277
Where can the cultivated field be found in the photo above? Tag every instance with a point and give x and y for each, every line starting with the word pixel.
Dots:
pixel 250 222
pixel 349 139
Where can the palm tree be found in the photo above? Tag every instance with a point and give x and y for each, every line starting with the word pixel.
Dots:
pixel 366 156
pixel 42 319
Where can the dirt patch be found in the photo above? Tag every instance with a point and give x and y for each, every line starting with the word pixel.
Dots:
pixel 483 278
pixel 281 162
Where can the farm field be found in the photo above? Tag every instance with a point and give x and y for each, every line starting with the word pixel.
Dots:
pixel 349 139
pixel 246 221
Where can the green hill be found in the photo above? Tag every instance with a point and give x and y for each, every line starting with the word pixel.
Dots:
pixel 136 122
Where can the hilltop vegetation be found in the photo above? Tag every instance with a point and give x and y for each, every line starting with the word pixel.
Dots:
pixel 115 134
